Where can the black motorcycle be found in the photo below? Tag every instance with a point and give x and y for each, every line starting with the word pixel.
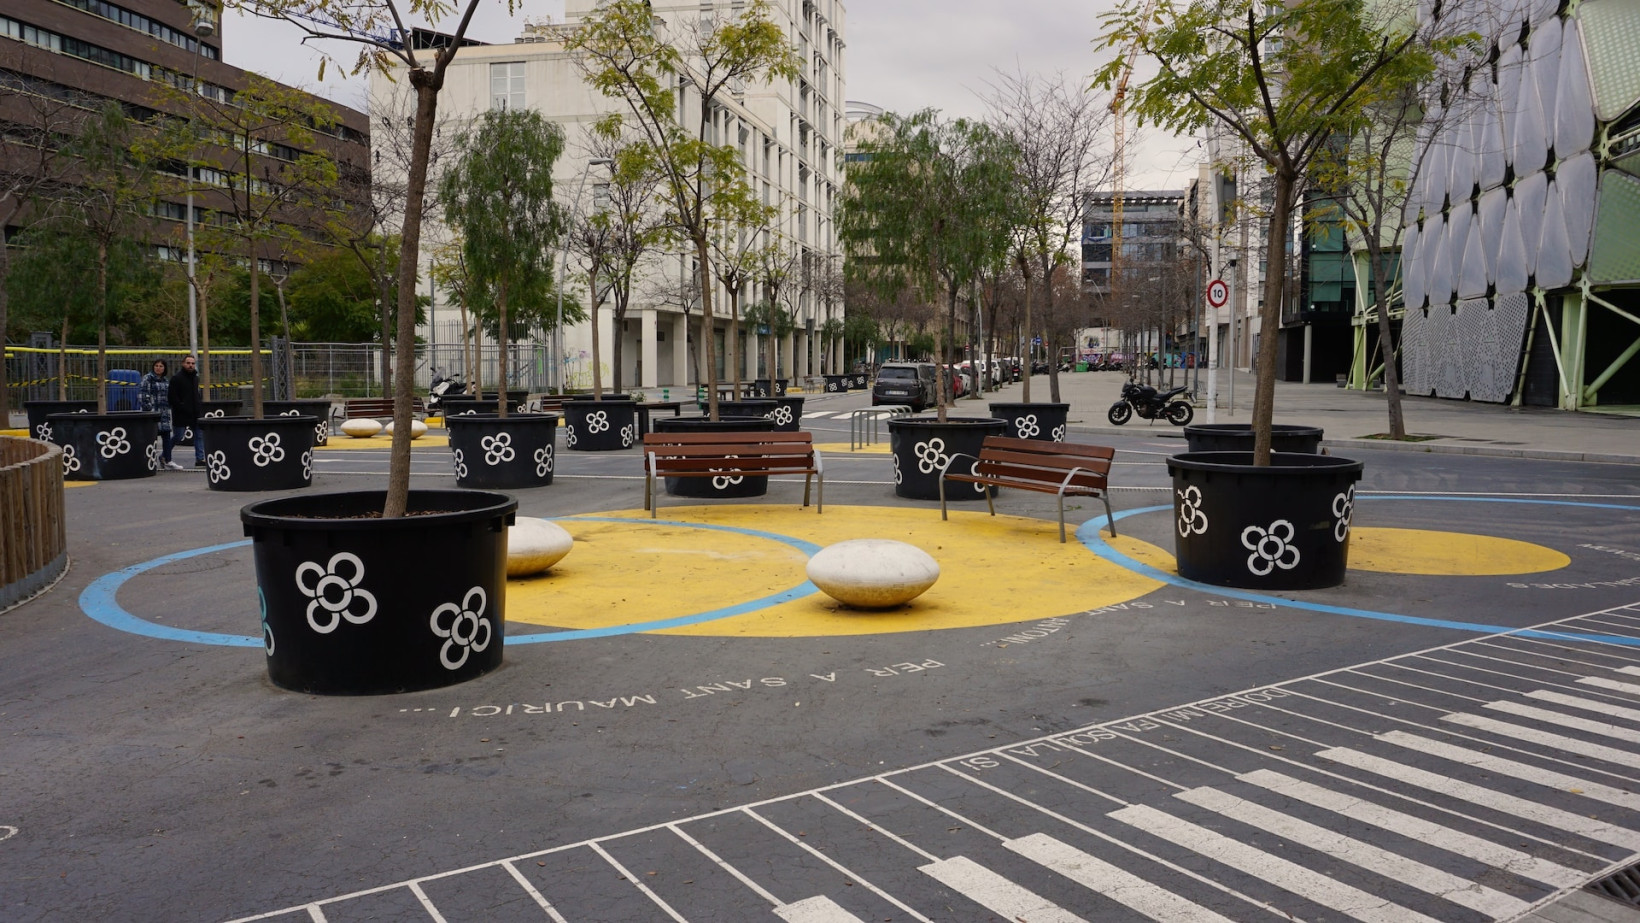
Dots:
pixel 442 385
pixel 1149 404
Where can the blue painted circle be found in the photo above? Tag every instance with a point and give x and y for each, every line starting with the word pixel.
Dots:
pixel 1089 535
pixel 98 599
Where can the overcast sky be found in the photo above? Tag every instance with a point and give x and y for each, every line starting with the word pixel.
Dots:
pixel 903 55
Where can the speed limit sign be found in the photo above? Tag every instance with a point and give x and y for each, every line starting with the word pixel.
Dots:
pixel 1218 293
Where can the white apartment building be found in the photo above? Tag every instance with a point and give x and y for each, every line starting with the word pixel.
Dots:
pixel 789 134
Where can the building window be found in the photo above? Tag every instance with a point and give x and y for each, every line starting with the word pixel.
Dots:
pixel 507 85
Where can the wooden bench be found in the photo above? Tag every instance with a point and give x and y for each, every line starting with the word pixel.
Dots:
pixel 1057 468
pixel 705 455
pixel 356 408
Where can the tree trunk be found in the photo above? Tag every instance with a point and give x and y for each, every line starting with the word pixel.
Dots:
pixel 501 351
pixel 597 340
pixel 284 311
pixel 204 348
pixel 102 326
pixel 466 336
pixel 617 349
pixel 1386 343
pixel 256 333
pixel 62 362
pixel 1025 373
pixel 385 315
pixel 404 347
pixel 731 348
pixel 1275 254
pixel 708 352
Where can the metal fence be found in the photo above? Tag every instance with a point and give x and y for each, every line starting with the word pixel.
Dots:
pixel 303 370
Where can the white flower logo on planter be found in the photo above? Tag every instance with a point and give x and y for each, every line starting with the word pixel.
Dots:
pixel 71 461
pixel 468 632
pixel 974 470
pixel 216 467
pixel 782 415
pixel 1026 426
pixel 543 461
pixel 43 431
pixel 724 483
pixel 930 455
pixel 333 594
pixel 1191 517
pixel 1343 507
pixel 1271 547
pixel 216 413
pixel 267 630
pixel 113 442
pixel 569 435
pixel 307 465
pixel 265 450
pixel 1059 433
pixel 154 454
pixel 629 435
pixel 461 465
pixel 897 476
pixel 597 421
pixel 497 449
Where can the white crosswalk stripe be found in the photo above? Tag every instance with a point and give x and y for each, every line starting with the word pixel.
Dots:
pixel 1335 820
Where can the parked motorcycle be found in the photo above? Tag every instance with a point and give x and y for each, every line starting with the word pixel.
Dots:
pixel 441 386
pixel 1149 404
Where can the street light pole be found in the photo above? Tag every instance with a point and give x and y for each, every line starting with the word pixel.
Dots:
pixel 563 270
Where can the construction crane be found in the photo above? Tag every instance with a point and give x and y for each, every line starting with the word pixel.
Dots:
pixel 1118 101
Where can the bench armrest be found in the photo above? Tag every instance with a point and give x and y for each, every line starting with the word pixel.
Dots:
pixel 952 458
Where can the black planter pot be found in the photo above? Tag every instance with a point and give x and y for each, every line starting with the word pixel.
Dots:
pixel 340 616
pixel 922 445
pixel 788 415
pixel 859 380
pixel 1044 422
pixel 1238 437
pixel 463 405
pixel 319 409
pixel 609 396
pixel 600 426
pixel 107 446
pixel 492 453
pixel 760 387
pixel 211 409
pixel 715 487
pixel 757 407
pixel 275 453
pixel 37 411
pixel 1281 527
pixel 837 383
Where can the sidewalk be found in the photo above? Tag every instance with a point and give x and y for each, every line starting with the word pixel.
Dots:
pixel 1348 417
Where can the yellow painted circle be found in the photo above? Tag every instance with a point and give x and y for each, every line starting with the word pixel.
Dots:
pixel 382 441
pixel 993 570
pixel 842 448
pixel 1416 551
pixel 1449 554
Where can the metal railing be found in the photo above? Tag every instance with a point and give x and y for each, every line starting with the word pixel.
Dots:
pixel 863 423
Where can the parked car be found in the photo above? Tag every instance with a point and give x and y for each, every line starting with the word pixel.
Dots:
pixel 910 383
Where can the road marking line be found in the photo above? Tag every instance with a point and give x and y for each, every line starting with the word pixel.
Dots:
pixel 1572 701
pixel 761 891
pixel 426 904
pixel 1560 741
pixel 633 879
pixel 996 893
pixel 852 876
pixel 1548 778
pixel 817 909
pixel 1485 797
pixel 1118 884
pixel 1458 842
pixel 1289 876
pixel 1612 684
pixel 1375 859
pixel 530 889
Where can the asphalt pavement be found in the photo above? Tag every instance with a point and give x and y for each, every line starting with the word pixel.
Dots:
pixel 1056 732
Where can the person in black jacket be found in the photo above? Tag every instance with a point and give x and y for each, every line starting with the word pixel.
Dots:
pixel 186 405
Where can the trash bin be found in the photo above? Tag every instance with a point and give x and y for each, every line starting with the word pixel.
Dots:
pixel 122 389
pixel 1081 366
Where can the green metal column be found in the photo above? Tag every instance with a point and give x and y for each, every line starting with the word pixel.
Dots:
pixel 1573 327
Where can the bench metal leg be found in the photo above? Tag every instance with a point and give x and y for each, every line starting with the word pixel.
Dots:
pixel 820 486
pixel 1110 518
pixel 942 497
pixel 807 478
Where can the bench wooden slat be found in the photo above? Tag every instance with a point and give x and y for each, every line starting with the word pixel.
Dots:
pixel 1057 468
pixel 755 454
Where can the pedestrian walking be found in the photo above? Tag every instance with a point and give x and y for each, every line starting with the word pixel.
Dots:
pixel 187 405
pixel 154 394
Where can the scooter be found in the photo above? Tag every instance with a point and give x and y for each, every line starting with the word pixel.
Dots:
pixel 441 386
pixel 1149 404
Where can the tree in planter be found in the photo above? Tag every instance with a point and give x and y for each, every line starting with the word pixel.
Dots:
pixel 1286 79
pixel 1056 130
pixel 498 195
pixel 775 270
pixel 831 334
pixel 366 25
pixel 860 334
pixel 738 251
pixel 615 238
pixel 625 53
pixel 256 150
pixel 929 210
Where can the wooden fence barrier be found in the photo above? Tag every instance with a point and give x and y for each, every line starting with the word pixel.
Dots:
pixel 33 539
